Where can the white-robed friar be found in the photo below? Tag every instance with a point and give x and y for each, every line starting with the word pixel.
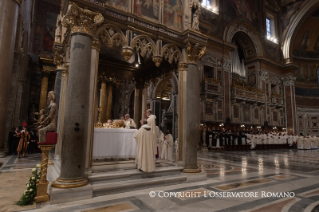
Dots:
pixel 128 122
pixel 170 145
pixel 160 141
pixel 145 149
pixel 300 142
pixel 176 150
pixel 152 123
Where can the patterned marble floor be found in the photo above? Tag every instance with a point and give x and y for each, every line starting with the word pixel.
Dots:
pixel 256 181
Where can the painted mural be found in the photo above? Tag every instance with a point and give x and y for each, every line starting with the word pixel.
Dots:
pixel 173 14
pixel 49 31
pixel 307 72
pixel 149 9
pixel 288 10
pixel 45 27
pixel 307 40
pixel 120 4
pixel 245 9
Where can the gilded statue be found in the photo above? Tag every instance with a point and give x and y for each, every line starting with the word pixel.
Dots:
pixel 49 123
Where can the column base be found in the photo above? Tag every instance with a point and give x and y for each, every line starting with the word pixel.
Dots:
pixel 195 177
pixel 62 195
pixel 42 194
pixel 197 170
pixel 59 183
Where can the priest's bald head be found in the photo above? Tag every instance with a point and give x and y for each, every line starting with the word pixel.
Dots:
pixel 148 112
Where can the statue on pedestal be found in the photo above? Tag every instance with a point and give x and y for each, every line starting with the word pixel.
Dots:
pixel 49 123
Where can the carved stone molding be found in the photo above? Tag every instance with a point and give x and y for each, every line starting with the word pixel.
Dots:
pixel 58 59
pixel 65 72
pixel 157 60
pixel 247 29
pixel 81 20
pixel 263 75
pixel 182 66
pixel 127 52
pixel 289 80
pixel 96 44
pixel 194 52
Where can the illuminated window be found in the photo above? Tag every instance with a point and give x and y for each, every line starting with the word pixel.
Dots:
pixel 268 29
pixel 211 5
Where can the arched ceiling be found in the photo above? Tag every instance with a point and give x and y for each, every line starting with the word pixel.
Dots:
pixel 246 44
pixel 306 42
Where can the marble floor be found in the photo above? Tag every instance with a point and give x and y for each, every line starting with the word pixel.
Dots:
pixel 254 181
pixel 14 175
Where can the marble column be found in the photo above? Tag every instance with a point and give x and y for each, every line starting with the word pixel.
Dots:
pixel 44 90
pixel 82 23
pixel 190 106
pixel 109 101
pixel 290 106
pixel 182 67
pixel 138 105
pixel 9 10
pixel 92 108
pixel 103 98
pixel 61 113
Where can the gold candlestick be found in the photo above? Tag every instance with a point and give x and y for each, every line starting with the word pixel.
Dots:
pixel 99 123
pixel 42 185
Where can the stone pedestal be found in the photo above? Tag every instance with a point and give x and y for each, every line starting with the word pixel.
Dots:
pixel 9 10
pixel 82 23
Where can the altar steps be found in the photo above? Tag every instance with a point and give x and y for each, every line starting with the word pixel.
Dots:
pixel 127 180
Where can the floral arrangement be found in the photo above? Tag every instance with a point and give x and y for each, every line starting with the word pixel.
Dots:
pixel 29 194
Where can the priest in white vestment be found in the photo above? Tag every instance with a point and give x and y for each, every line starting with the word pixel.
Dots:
pixel 129 123
pixel 160 141
pixel 170 145
pixel 145 154
pixel 152 123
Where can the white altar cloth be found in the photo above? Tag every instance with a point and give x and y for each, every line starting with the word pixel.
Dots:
pixel 114 143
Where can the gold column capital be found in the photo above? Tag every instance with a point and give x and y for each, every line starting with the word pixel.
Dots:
pixel 182 66
pixel 96 44
pixel 194 52
pixel 81 20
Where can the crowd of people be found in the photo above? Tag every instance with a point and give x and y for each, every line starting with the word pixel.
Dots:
pixel 22 140
pixel 222 138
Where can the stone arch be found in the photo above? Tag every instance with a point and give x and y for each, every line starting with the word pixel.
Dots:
pixel 110 35
pixel 144 44
pixel 168 78
pixel 249 30
pixel 306 8
pixel 171 53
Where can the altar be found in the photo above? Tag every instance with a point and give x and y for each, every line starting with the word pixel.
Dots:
pixel 114 143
